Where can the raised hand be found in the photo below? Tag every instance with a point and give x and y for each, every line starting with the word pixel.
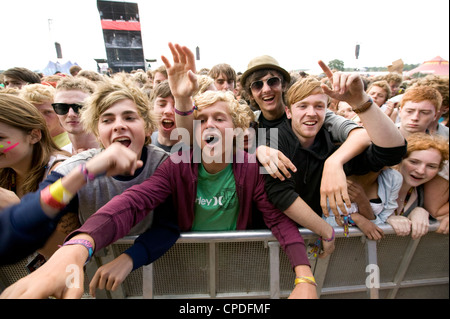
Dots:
pixel 346 87
pixel 181 75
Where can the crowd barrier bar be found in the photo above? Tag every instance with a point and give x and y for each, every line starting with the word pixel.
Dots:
pixel 251 264
pixel 280 275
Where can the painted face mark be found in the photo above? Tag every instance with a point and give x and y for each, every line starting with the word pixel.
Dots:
pixel 6 150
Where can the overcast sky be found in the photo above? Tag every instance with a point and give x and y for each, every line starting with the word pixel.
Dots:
pixel 295 32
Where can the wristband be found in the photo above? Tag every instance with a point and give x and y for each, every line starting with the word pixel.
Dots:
pixel 48 199
pixel 305 279
pixel 56 195
pixel 60 193
pixel 88 176
pixel 185 113
pixel 83 242
pixel 329 239
pixel 364 107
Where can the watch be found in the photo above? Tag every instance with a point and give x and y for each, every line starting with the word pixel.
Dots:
pixel 364 107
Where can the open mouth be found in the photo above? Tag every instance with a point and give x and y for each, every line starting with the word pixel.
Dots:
pixel 168 124
pixel 416 178
pixel 211 138
pixel 125 141
pixel 268 99
pixel 310 123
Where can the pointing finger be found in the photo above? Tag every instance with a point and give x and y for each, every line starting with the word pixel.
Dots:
pixel 326 70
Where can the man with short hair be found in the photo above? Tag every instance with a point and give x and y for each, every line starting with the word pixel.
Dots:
pixel 224 77
pixel 266 82
pixel 308 144
pixel 41 96
pixel 418 109
pixel 70 95
pixel 18 77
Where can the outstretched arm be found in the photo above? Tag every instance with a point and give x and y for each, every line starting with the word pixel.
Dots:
pixel 115 160
pixel 333 186
pixel 350 88
pixel 62 276
pixel 301 213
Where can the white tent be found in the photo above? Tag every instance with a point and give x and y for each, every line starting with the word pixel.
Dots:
pixel 53 67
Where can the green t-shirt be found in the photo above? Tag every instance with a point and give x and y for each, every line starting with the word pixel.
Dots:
pixel 216 205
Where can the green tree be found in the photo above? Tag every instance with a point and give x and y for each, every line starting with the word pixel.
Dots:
pixel 336 64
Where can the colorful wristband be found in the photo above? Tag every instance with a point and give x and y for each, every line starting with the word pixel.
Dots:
pixel 329 239
pixel 60 193
pixel 185 113
pixel 88 176
pixel 48 199
pixel 83 242
pixel 56 195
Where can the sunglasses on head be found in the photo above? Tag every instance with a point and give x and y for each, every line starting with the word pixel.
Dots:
pixel 63 108
pixel 272 82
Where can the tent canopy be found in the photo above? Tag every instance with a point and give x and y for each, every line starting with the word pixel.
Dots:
pixel 53 67
pixel 437 66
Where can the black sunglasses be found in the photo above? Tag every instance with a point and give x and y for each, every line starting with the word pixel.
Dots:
pixel 63 108
pixel 258 85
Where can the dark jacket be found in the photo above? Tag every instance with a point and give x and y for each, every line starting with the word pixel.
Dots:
pixel 310 162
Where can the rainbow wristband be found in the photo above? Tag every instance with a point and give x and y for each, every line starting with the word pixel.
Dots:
pixel 83 242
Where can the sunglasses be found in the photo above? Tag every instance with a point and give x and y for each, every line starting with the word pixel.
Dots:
pixel 63 108
pixel 258 85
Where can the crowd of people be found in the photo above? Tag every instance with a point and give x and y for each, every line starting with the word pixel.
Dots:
pixel 88 158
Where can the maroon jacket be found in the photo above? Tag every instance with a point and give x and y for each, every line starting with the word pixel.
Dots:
pixel 179 179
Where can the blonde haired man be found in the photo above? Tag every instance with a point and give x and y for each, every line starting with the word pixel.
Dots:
pixel 70 96
pixel 41 96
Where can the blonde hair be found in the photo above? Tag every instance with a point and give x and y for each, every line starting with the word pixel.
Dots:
pixel 302 89
pixel 204 82
pixel 37 93
pixel 110 92
pixel 91 75
pixel 239 112
pixel 76 83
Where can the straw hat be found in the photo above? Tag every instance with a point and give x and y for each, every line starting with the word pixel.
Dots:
pixel 264 62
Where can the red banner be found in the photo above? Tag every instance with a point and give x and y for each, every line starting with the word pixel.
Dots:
pixel 121 25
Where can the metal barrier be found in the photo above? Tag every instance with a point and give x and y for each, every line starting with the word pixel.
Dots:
pixel 250 264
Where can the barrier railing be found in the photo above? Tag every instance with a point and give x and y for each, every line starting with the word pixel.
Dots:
pixel 250 264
